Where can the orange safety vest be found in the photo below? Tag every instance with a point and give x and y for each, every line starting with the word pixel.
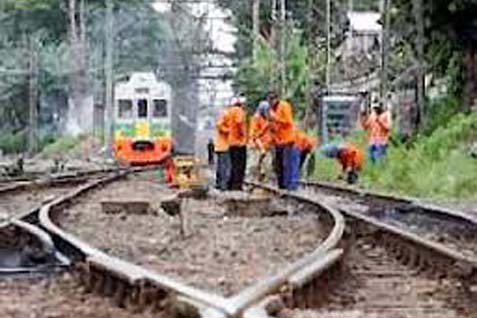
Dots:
pixel 351 157
pixel 260 132
pixel 221 143
pixel 378 128
pixel 237 119
pixel 282 125
pixel 304 142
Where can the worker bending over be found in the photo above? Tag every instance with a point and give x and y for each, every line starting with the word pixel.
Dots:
pixel 260 137
pixel 378 125
pixel 221 145
pixel 237 119
pixel 305 144
pixel 282 130
pixel 350 158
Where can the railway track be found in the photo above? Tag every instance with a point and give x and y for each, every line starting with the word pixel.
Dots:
pixel 386 271
pixel 371 268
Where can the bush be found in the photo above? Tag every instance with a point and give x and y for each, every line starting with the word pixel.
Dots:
pixel 437 166
pixel 61 146
pixel 13 143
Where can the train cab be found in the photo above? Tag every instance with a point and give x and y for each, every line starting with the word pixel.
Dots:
pixel 142 120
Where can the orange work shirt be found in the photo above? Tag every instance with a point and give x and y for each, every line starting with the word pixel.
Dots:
pixel 378 128
pixel 282 126
pixel 304 142
pixel 237 119
pixel 260 132
pixel 222 129
pixel 351 157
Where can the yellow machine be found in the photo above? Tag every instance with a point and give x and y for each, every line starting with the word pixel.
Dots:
pixel 188 173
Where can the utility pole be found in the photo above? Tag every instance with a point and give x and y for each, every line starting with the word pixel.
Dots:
pixel 385 11
pixel 108 68
pixel 421 73
pixel 349 44
pixel 283 48
pixel 33 97
pixel 256 26
pixel 328 44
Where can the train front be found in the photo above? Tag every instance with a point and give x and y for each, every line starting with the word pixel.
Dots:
pixel 143 120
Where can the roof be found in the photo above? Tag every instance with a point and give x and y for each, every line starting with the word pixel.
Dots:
pixel 366 21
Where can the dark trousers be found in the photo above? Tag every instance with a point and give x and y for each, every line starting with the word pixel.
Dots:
pixel 223 170
pixel 278 165
pixel 238 158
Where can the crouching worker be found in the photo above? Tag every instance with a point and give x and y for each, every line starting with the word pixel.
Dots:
pixel 305 144
pixel 350 158
pixel 260 137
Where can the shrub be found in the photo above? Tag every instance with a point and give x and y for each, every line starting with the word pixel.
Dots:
pixel 12 143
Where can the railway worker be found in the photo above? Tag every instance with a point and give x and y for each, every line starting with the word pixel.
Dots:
pixel 237 139
pixel 378 125
pixel 282 128
pixel 260 137
pixel 350 157
pixel 305 144
pixel 221 147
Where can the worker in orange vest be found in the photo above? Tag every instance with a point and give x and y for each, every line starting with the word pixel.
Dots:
pixel 260 137
pixel 221 147
pixel 237 139
pixel 283 132
pixel 378 125
pixel 305 144
pixel 350 157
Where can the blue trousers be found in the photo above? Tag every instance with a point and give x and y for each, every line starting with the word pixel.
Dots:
pixel 377 152
pixel 287 166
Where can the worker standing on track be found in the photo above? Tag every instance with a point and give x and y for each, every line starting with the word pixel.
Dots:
pixel 260 137
pixel 237 119
pixel 378 126
pixel 221 146
pixel 283 133
pixel 350 157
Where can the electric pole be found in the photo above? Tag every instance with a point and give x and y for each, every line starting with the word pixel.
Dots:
pixel 328 44
pixel 108 67
pixel 385 11
pixel 283 49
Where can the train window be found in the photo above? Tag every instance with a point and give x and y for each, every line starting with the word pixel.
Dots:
pixel 142 108
pixel 160 108
pixel 125 108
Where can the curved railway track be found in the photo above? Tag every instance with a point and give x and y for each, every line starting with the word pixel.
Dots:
pixel 386 271
pixel 137 287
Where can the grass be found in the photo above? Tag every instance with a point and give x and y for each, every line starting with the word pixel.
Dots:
pixel 436 166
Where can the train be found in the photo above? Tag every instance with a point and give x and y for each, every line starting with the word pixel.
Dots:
pixel 143 133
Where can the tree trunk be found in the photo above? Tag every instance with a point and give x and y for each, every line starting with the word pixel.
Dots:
pixel 33 99
pixel 80 100
pixel 421 73
pixel 383 88
pixel 283 48
pixel 108 67
pixel 470 88
pixel 256 26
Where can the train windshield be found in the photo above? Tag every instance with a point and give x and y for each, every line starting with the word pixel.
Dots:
pixel 160 108
pixel 142 108
pixel 125 108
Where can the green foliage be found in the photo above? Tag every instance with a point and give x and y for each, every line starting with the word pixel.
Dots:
pixel 62 146
pixel 13 143
pixel 437 166
pixel 255 78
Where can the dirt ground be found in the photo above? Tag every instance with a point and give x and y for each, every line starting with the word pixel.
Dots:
pixel 57 297
pixel 219 253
